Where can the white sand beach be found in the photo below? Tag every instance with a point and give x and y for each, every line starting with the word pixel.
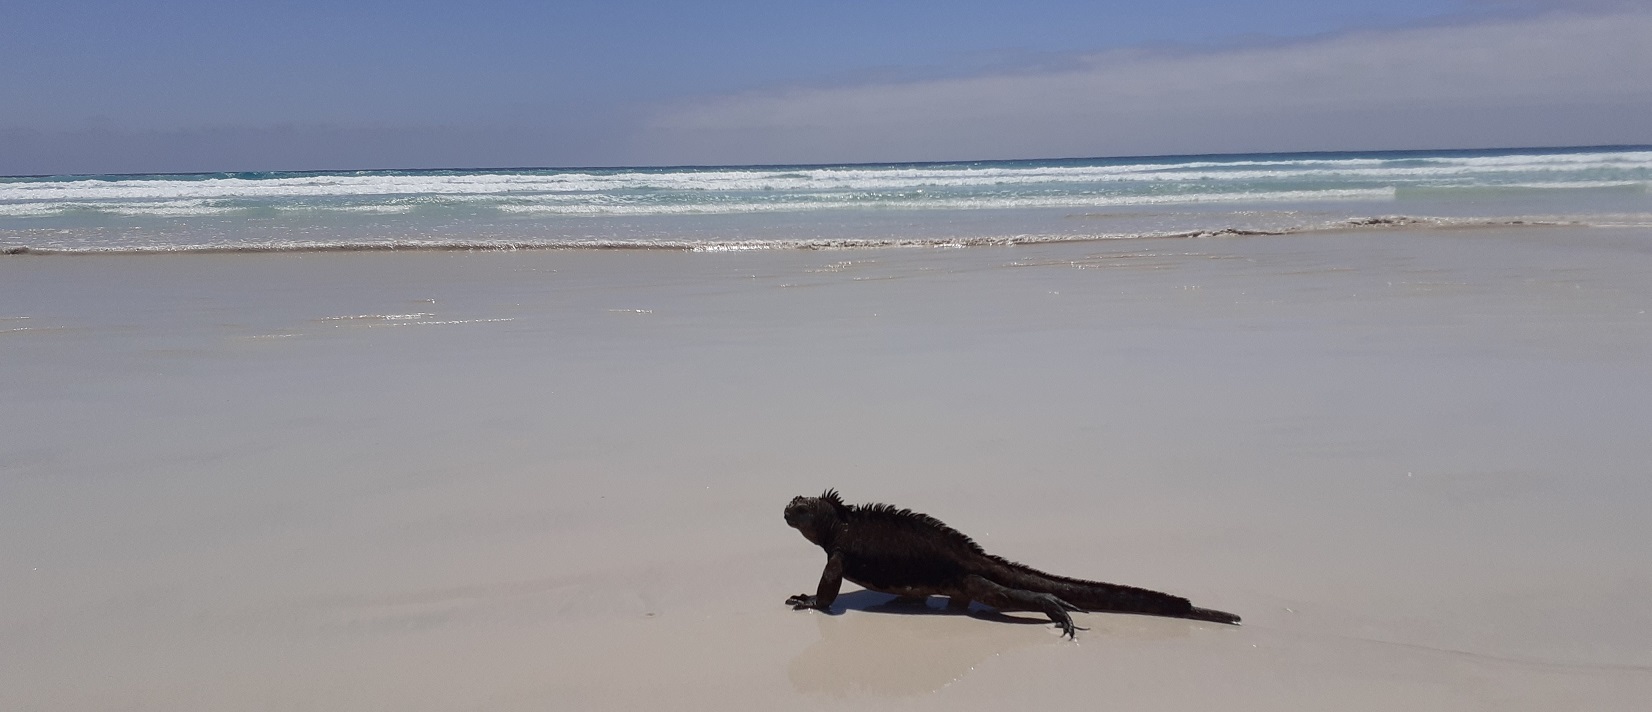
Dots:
pixel 1416 463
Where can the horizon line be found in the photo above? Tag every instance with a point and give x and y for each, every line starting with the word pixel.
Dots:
pixel 748 166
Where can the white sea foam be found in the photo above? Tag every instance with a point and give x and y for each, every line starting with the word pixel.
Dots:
pixel 554 204
pixel 517 209
pixel 157 208
pixel 841 202
pixel 29 210
pixel 379 317
pixel 576 183
pixel 444 322
pixel 1582 185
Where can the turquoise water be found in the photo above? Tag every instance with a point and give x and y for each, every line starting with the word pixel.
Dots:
pixel 761 207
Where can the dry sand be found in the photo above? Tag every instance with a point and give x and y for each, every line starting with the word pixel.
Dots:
pixel 1415 462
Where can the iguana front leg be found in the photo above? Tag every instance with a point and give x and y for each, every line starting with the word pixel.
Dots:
pixel 831 579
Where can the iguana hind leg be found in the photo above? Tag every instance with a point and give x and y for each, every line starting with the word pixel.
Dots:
pixel 1005 598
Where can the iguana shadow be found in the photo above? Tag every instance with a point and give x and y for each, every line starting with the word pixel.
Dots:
pixel 906 654
pixel 874 602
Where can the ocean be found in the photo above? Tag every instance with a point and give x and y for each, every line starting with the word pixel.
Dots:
pixel 825 206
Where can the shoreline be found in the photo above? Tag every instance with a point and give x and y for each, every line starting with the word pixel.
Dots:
pixel 1351 224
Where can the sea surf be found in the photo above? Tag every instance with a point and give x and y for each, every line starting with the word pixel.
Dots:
pixel 824 206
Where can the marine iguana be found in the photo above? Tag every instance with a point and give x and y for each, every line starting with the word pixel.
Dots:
pixel 913 555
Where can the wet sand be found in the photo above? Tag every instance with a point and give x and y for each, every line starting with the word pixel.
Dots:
pixel 1415 461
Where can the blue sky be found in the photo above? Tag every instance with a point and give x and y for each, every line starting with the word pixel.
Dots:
pixel 193 86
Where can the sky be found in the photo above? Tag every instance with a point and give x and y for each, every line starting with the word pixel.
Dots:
pixel 187 85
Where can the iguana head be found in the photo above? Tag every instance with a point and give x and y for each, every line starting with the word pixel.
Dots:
pixel 817 518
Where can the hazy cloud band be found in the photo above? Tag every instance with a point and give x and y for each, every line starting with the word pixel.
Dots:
pixel 1560 79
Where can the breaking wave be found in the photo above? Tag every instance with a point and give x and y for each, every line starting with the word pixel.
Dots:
pixel 671 191
pixel 810 207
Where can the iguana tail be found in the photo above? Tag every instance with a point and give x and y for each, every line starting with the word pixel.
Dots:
pixel 1214 616
pixel 1098 596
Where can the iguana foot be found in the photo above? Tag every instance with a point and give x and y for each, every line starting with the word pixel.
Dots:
pixel 803 601
pixel 1057 609
pixel 1069 631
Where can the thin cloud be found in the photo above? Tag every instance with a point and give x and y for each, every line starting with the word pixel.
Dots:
pixel 105 149
pixel 1553 79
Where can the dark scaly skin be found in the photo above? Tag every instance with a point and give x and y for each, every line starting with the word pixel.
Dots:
pixel 913 555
